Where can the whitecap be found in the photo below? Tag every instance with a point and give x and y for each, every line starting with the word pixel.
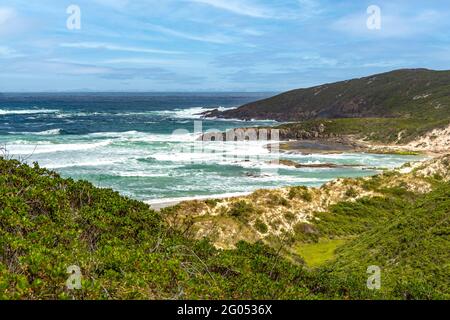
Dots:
pixel 137 136
pixel 51 132
pixel 92 163
pixel 188 113
pixel 25 111
pixel 29 149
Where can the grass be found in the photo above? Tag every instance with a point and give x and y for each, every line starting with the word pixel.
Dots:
pixel 396 152
pixel 411 249
pixel 317 254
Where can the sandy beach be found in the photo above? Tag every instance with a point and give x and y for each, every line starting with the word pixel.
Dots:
pixel 164 203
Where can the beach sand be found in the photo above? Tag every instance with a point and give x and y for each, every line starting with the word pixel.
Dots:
pixel 165 203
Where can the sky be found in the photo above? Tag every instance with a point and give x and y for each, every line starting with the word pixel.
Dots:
pixel 214 45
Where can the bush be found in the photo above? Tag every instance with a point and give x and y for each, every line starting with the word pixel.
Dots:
pixel 261 226
pixel 351 193
pixel 276 200
pixel 241 210
pixel 300 192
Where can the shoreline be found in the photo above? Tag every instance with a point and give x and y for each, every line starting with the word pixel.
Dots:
pixel 334 146
pixel 318 146
pixel 159 204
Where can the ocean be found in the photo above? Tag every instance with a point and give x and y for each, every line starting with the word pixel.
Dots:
pixel 144 145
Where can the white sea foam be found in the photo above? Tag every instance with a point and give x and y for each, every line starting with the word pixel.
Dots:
pixel 189 113
pixel 29 149
pixel 72 163
pixel 51 132
pixel 215 152
pixel 62 115
pixel 179 113
pixel 137 136
pixel 25 111
pixel 140 174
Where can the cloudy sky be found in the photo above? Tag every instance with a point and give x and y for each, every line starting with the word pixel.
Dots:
pixel 214 45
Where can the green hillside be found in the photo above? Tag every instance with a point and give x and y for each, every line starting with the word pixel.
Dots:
pixel 127 251
pixel 412 250
pixel 408 93
pixel 123 248
pixel 406 235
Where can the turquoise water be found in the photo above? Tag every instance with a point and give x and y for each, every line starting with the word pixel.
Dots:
pixel 126 142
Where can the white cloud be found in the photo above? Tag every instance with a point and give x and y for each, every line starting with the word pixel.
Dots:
pixel 116 4
pixel 309 8
pixel 113 47
pixel 6 15
pixel 10 22
pixel 76 69
pixel 7 52
pixel 238 7
pixel 54 67
pixel 251 32
pixel 214 38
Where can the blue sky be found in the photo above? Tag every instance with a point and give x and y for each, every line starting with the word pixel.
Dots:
pixel 214 45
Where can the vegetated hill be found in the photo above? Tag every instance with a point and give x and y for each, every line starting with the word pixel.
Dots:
pixel 410 251
pixel 401 93
pixel 345 226
pixel 268 214
pixel 127 251
pixel 123 248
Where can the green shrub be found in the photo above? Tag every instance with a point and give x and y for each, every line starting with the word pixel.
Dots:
pixel 276 200
pixel 351 192
pixel 241 210
pixel 289 216
pixel 261 226
pixel 301 193
pixel 212 202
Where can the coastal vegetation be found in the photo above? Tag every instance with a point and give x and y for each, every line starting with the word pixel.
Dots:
pixel 125 250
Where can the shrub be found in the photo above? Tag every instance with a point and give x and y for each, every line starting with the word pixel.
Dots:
pixel 241 210
pixel 212 202
pixel 351 192
pixel 276 200
pixel 289 216
pixel 300 192
pixel 261 226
